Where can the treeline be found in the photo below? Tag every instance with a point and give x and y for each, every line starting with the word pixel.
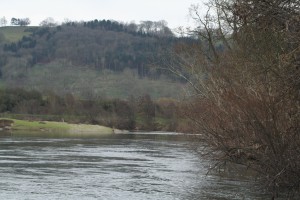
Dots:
pixel 20 22
pixel 145 28
pixel 140 113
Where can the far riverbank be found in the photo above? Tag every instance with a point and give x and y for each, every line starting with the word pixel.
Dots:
pixel 14 125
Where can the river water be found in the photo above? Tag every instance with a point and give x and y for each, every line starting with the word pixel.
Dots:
pixel 128 166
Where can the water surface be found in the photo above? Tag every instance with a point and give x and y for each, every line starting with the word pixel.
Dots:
pixel 129 166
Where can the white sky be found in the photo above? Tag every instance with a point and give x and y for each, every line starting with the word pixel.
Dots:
pixel 175 12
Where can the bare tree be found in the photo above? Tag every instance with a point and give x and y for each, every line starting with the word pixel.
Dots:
pixel 3 21
pixel 48 22
pixel 245 76
pixel 159 28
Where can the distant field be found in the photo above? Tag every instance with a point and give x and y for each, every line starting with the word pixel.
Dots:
pixel 13 33
pixel 89 83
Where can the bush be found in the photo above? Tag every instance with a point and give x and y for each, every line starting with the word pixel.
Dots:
pixel 247 95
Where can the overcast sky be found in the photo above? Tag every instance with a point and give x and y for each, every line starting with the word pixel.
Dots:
pixel 175 12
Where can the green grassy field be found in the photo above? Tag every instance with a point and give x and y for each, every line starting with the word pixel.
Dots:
pixel 44 127
pixel 13 33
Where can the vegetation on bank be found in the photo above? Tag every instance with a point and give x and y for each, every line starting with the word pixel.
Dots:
pixel 140 113
pixel 246 95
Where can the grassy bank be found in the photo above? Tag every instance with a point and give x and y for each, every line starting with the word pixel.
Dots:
pixel 41 127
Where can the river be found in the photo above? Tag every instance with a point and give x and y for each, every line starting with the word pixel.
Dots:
pixel 126 166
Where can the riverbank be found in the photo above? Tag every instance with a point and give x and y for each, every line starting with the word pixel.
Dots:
pixel 15 125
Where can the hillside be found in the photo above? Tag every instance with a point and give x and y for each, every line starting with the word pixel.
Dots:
pixel 96 58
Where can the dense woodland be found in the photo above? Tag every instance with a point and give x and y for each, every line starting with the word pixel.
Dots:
pixel 98 44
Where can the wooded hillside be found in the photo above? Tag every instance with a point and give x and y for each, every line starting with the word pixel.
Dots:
pixel 89 57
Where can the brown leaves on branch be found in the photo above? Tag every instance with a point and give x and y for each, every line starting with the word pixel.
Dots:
pixel 247 99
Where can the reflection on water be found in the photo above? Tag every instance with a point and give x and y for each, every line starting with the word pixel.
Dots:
pixel 131 166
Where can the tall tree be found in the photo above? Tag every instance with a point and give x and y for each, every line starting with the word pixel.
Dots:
pixel 14 21
pixel 24 21
pixel 48 22
pixel 3 21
